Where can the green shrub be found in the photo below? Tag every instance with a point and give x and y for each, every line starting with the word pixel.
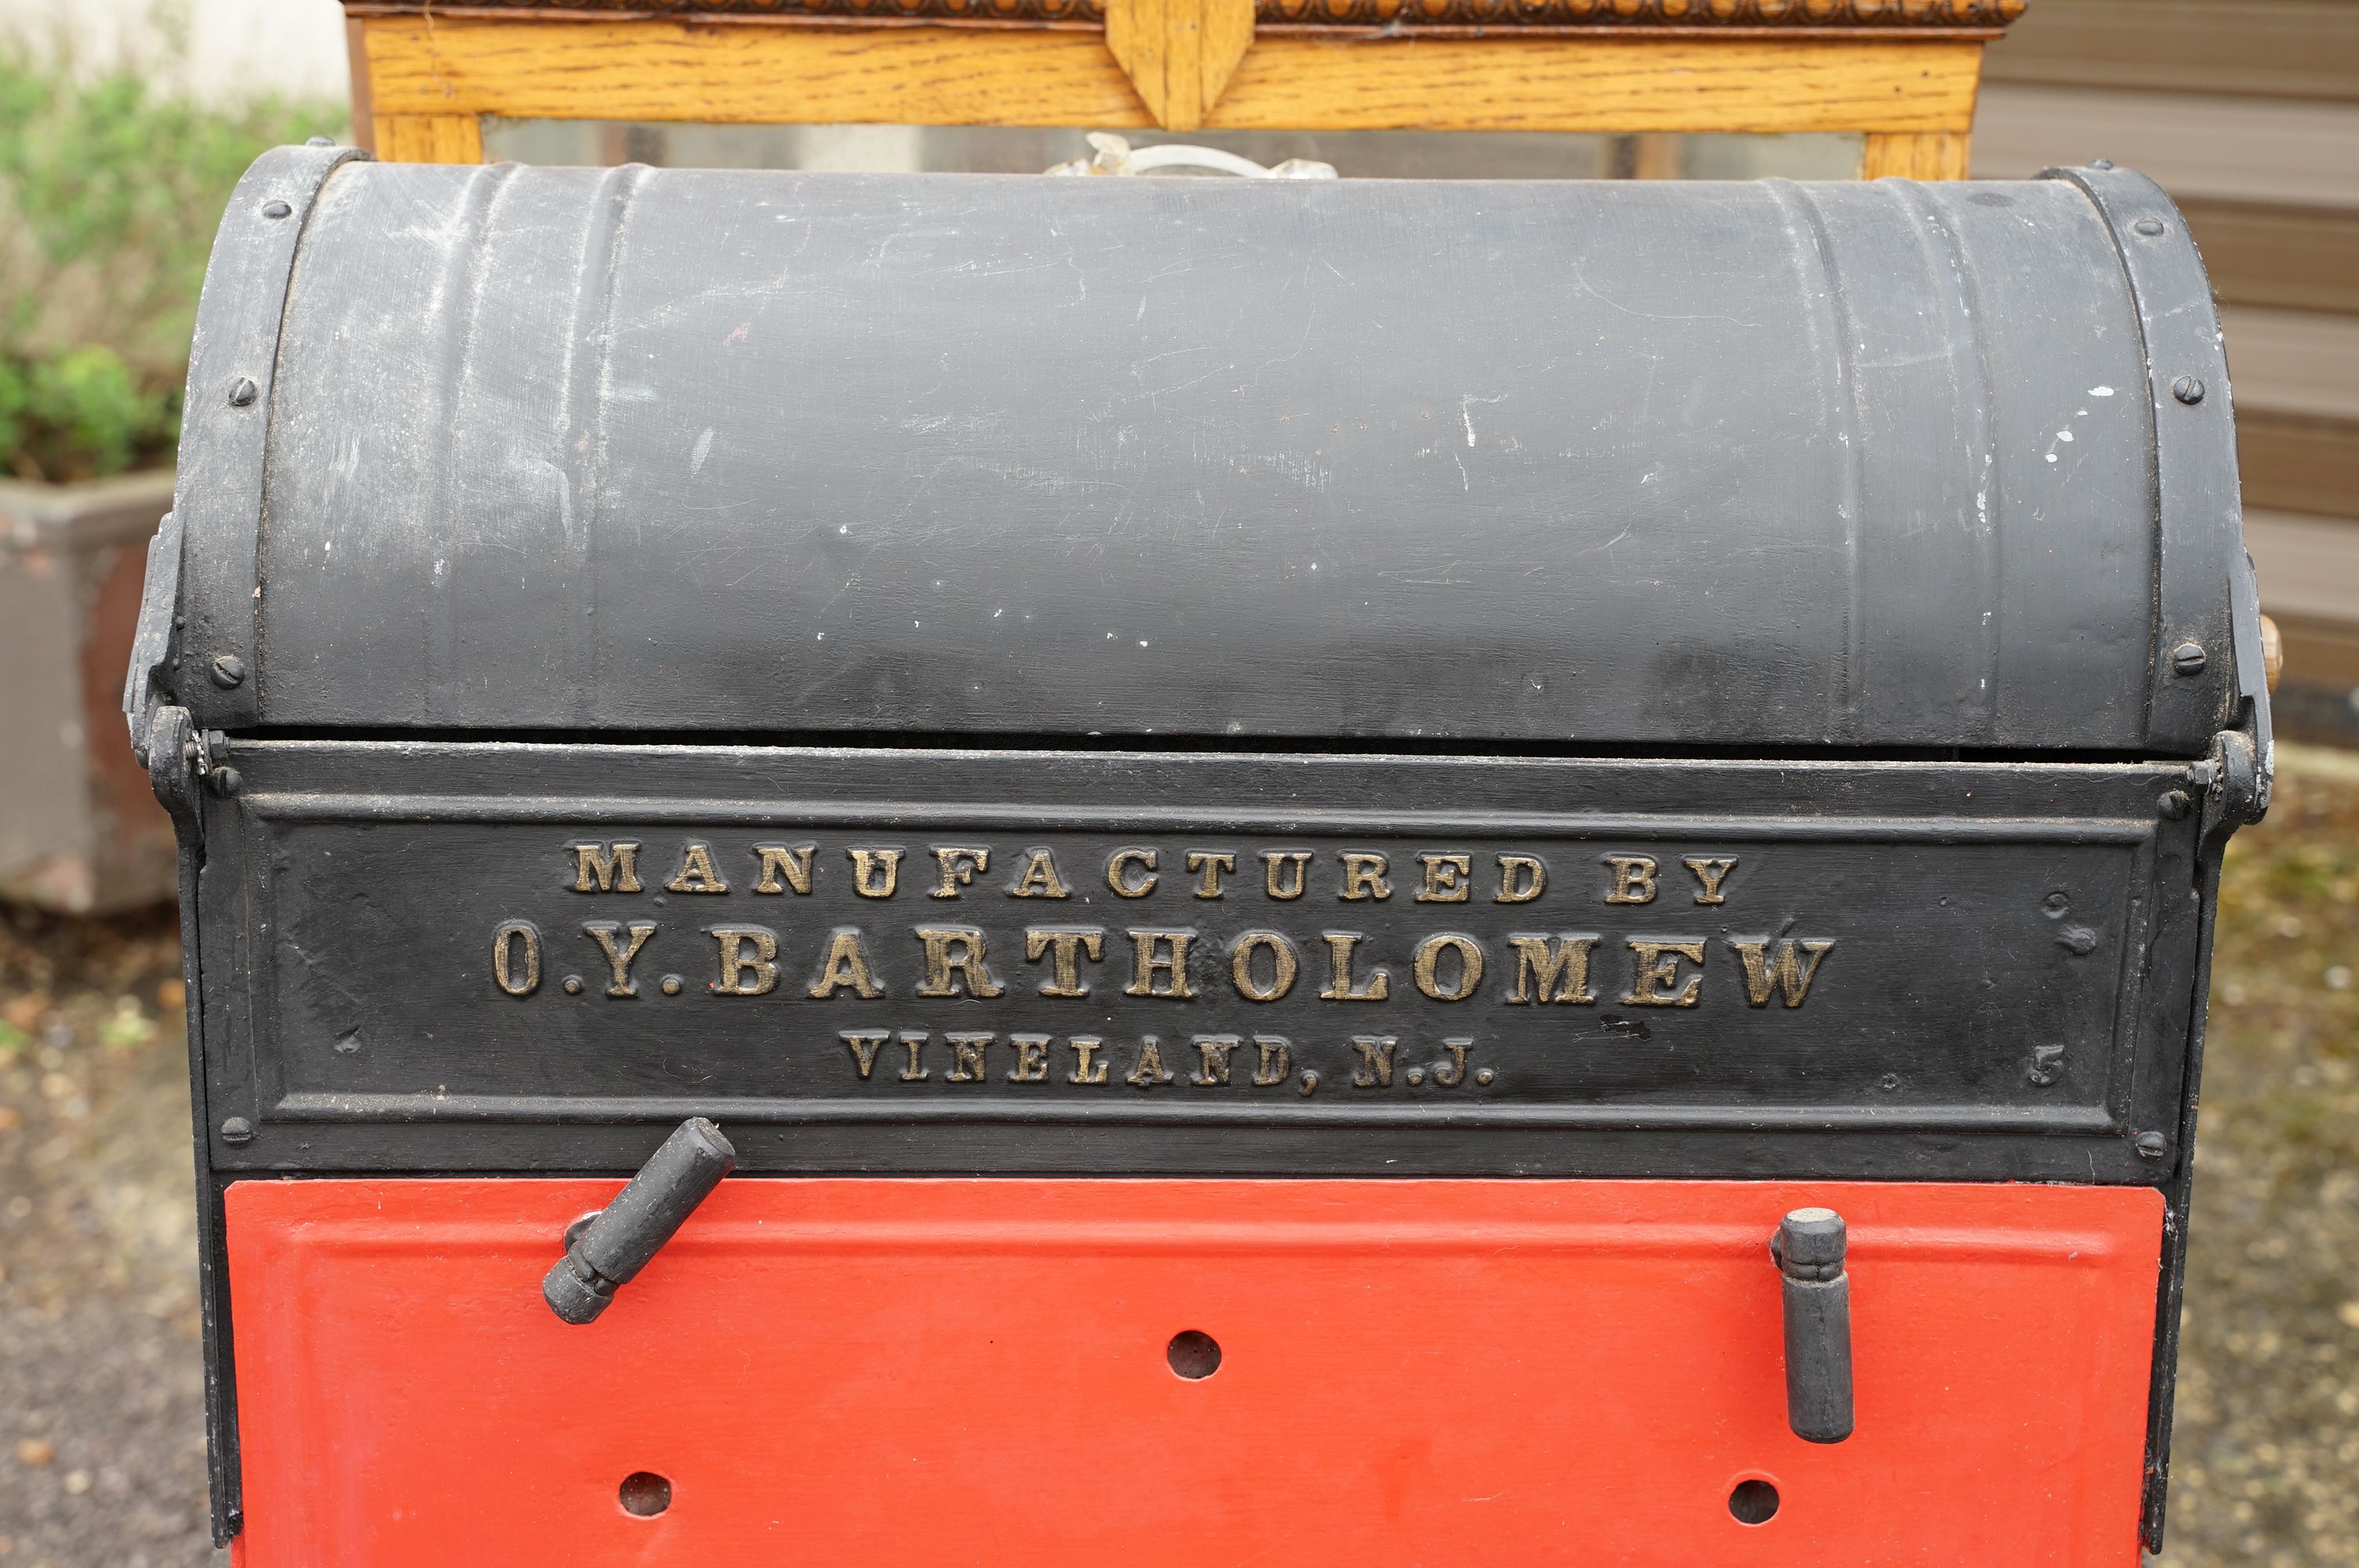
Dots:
pixel 83 412
pixel 109 195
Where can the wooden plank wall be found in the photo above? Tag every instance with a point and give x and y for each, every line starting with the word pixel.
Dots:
pixel 2247 111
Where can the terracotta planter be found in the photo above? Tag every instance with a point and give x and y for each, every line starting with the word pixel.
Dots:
pixel 79 830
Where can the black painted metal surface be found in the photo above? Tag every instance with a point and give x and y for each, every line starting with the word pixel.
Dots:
pixel 444 959
pixel 1613 464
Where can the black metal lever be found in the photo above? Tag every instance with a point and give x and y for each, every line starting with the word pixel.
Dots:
pixel 1808 1248
pixel 615 1243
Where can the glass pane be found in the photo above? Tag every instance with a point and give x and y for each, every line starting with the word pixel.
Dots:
pixel 1019 149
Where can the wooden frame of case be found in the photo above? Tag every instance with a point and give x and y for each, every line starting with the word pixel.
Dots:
pixel 1901 72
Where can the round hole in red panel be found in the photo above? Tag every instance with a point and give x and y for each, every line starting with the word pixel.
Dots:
pixel 645 1493
pixel 1753 1501
pixel 1193 1354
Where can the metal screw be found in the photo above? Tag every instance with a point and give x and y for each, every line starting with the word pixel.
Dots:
pixel 276 210
pixel 2150 227
pixel 229 671
pixel 223 781
pixel 237 1129
pixel 2175 804
pixel 242 392
pixel 2188 659
pixel 2150 1145
pixel 320 142
pixel 2188 390
pixel 2101 163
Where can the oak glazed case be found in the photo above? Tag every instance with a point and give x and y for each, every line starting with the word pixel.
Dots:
pixel 1370 783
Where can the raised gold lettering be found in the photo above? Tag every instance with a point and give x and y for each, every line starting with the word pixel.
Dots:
pixel 778 860
pixel 955 949
pixel 696 873
pixel 845 965
pixel 1427 967
pixel 966 1058
pixel 1283 965
pixel 913 1041
pixel 1339 988
pixel 1374 1070
pixel 1150 1070
pixel 506 973
pixel 1159 957
pixel 1784 974
pixel 1040 879
pixel 1211 865
pixel 1274 860
pixel 1275 1056
pixel 957 868
pixel 1657 981
pixel 1064 949
pixel 1450 1076
pixel 742 975
pixel 619 958
pixel 1118 867
pixel 1446 878
pixel 1213 1051
pixel 1087 1068
pixel 1522 877
pixel 1031 1059
pixel 863 1044
pixel 1363 876
pixel 599 868
pixel 1634 879
pixel 1557 971
pixel 874 872
pixel 1711 873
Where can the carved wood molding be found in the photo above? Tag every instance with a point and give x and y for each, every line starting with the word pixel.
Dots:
pixel 1689 18
pixel 1179 54
pixel 1673 16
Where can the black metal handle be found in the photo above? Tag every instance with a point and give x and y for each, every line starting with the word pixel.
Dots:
pixel 1808 1248
pixel 616 1244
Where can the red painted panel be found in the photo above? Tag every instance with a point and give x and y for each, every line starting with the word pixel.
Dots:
pixel 1444 1372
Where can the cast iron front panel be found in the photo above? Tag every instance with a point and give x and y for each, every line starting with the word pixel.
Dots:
pixel 1930 486
pixel 500 955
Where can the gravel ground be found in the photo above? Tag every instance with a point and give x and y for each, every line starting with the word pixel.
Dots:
pixel 2266 1467
pixel 101 1413
pixel 101 1405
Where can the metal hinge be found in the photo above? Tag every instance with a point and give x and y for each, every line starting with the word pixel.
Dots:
pixel 2236 784
pixel 183 760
